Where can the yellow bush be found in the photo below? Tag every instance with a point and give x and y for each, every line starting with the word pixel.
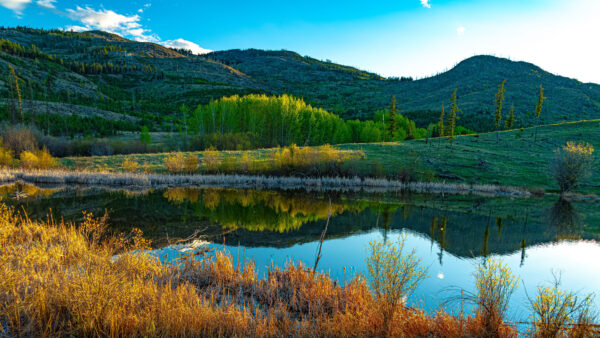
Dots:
pixel 190 163
pixel 29 160
pixel 211 160
pixel 129 165
pixel 6 157
pixel 175 163
pixel 45 160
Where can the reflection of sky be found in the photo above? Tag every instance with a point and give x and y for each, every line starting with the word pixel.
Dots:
pixel 576 262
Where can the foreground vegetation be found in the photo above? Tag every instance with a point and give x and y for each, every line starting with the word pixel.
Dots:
pixel 67 280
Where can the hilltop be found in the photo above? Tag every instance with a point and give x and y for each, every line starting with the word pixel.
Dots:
pixel 150 82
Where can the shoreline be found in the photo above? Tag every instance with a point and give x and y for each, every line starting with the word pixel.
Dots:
pixel 286 183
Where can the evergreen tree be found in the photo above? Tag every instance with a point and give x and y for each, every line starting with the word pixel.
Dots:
pixel 538 110
pixel 16 91
pixel 393 126
pixel 498 113
pixel 510 121
pixel 453 115
pixel 145 136
pixel 441 126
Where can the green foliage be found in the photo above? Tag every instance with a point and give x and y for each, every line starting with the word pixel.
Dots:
pixel 510 121
pixel 145 137
pixel 451 125
pixel 499 101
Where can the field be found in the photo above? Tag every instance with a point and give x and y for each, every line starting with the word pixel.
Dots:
pixel 515 160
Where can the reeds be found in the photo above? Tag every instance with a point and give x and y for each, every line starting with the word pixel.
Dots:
pixel 64 280
pixel 355 184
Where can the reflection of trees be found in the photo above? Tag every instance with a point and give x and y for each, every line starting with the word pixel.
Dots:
pixel 26 190
pixel 257 210
pixel 565 219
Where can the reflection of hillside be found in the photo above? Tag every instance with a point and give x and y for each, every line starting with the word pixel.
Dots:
pixel 262 218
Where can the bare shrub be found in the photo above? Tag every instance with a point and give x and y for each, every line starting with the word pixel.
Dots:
pixel 100 148
pixel 572 163
pixel 19 139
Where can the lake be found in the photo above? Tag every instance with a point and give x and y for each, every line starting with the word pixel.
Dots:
pixel 539 238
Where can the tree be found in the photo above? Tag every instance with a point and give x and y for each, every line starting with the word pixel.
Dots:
pixel 453 112
pixel 538 110
pixel 393 128
pixel 145 137
pixel 572 163
pixel 510 121
pixel 441 124
pixel 498 113
pixel 16 92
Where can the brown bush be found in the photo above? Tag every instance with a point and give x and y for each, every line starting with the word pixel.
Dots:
pixel 19 139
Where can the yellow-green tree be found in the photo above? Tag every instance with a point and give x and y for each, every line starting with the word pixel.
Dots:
pixel 498 112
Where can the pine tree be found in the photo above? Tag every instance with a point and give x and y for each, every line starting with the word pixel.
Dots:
pixel 17 91
pixel 498 113
pixel 453 115
pixel 441 124
pixel 145 137
pixel 510 121
pixel 538 110
pixel 393 126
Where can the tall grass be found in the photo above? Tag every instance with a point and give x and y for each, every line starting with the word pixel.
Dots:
pixel 67 280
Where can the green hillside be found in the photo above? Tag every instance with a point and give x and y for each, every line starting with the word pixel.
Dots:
pixel 150 82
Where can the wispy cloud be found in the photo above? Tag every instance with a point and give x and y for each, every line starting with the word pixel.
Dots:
pixel 16 6
pixel 141 10
pixel 460 30
pixel 181 43
pixel 46 3
pixel 425 3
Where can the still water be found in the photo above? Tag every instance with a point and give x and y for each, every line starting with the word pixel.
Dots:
pixel 539 238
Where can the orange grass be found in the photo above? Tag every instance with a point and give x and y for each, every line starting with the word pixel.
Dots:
pixel 76 280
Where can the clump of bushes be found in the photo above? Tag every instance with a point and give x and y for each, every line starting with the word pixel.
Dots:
pixel 6 156
pixel 18 139
pixel 572 163
pixel 38 159
pixel 178 163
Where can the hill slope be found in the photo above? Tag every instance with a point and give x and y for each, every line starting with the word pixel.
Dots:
pixel 150 81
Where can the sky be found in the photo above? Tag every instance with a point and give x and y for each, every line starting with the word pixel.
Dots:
pixel 417 38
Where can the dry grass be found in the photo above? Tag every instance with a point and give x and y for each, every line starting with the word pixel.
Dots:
pixel 138 180
pixel 66 280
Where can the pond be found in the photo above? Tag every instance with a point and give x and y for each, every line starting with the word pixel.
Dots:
pixel 539 238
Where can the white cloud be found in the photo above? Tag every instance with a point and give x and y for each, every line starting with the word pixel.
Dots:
pixel 46 3
pixel 110 21
pixel 181 43
pixel 425 3
pixel 141 10
pixel 460 30
pixel 15 5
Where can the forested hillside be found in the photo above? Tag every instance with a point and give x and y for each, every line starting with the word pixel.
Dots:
pixel 150 83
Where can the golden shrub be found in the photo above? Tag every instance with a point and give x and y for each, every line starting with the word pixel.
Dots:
pixel 28 160
pixel 211 160
pixel 6 157
pixel 129 165
pixel 45 160
pixel 175 163
pixel 190 163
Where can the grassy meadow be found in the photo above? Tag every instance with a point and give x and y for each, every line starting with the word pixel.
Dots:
pixel 514 160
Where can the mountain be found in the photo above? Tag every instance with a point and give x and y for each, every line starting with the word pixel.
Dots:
pixel 150 82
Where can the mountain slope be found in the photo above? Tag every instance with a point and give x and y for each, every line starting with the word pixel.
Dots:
pixel 151 82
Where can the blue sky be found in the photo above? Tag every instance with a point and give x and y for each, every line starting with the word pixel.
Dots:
pixel 393 38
